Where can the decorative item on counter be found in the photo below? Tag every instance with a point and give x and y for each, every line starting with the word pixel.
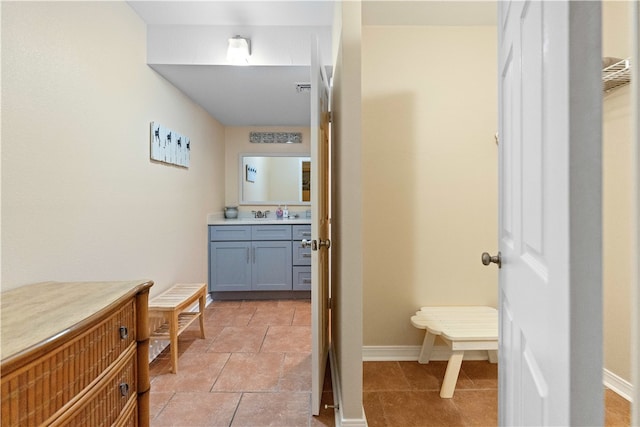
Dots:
pixel 279 212
pixel 285 212
pixel 231 212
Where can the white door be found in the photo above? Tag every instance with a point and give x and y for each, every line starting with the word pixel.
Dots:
pixel 320 225
pixel 550 354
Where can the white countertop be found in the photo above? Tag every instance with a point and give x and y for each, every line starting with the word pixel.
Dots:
pixel 217 220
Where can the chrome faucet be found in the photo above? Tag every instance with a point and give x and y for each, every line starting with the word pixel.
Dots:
pixel 260 214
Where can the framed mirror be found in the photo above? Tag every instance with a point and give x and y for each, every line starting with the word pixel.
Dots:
pixel 274 179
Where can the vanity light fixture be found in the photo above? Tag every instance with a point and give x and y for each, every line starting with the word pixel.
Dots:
pixel 239 50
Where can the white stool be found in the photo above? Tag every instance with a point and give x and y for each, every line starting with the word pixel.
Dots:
pixel 462 328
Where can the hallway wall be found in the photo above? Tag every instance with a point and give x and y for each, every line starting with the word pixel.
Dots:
pixel 80 198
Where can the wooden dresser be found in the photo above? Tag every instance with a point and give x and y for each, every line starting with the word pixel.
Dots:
pixel 75 354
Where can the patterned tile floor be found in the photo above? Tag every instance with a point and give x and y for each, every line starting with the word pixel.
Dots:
pixel 254 369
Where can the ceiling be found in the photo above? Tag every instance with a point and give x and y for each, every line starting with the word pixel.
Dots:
pixel 187 41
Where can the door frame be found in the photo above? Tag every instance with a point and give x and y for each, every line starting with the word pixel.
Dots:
pixel 635 218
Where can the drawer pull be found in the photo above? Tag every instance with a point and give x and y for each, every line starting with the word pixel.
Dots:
pixel 124 333
pixel 306 233
pixel 124 389
pixel 306 255
pixel 306 280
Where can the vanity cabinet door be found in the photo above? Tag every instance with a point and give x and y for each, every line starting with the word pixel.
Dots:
pixel 271 266
pixel 229 266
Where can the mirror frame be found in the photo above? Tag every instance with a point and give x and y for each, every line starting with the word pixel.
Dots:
pixel 243 202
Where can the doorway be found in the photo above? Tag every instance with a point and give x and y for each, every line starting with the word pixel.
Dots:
pixel 414 253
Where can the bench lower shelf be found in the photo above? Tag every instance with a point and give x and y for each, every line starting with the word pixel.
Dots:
pixel 185 319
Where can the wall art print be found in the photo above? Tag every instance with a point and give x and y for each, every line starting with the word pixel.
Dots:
pixel 170 147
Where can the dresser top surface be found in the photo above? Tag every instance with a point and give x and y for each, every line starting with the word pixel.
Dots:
pixel 35 314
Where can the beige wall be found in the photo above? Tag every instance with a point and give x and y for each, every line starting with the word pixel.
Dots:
pixel 80 198
pixel 237 143
pixel 429 173
pixel 617 199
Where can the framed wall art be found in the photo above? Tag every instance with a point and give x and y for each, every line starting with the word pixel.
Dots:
pixel 168 146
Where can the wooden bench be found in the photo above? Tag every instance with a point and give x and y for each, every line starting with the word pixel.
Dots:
pixel 462 328
pixel 171 305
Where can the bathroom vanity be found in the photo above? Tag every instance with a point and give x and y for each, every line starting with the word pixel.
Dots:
pixel 259 259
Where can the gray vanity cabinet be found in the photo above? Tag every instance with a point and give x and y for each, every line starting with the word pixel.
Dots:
pixel 250 258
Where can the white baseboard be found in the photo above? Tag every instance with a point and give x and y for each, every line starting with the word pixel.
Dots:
pixel 340 421
pixel 386 353
pixel 618 385
pixel 157 346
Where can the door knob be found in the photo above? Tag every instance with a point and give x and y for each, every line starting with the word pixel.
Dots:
pixel 325 243
pixel 315 244
pixel 488 259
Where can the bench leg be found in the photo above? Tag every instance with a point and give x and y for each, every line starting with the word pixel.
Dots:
pixel 451 374
pixel 427 347
pixel 493 356
pixel 173 336
pixel 202 302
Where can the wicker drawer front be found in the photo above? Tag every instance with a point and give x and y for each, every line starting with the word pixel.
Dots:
pixel 104 407
pixel 129 417
pixel 34 393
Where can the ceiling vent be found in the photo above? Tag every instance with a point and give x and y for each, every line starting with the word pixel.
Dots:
pixel 303 87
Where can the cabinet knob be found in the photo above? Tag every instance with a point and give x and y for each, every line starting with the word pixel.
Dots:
pixel 124 332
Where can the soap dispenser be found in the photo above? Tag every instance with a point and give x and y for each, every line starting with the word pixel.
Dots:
pixel 285 212
pixel 279 212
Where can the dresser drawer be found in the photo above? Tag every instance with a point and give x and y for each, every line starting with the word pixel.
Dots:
pixel 301 232
pixel 218 233
pixel 271 232
pixel 35 393
pixel 105 404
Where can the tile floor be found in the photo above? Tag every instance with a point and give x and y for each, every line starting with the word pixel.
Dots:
pixel 404 394
pixel 254 369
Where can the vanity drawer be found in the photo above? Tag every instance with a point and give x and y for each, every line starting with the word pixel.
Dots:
pixel 301 256
pixel 301 232
pixel 223 233
pixel 271 232
pixel 301 278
